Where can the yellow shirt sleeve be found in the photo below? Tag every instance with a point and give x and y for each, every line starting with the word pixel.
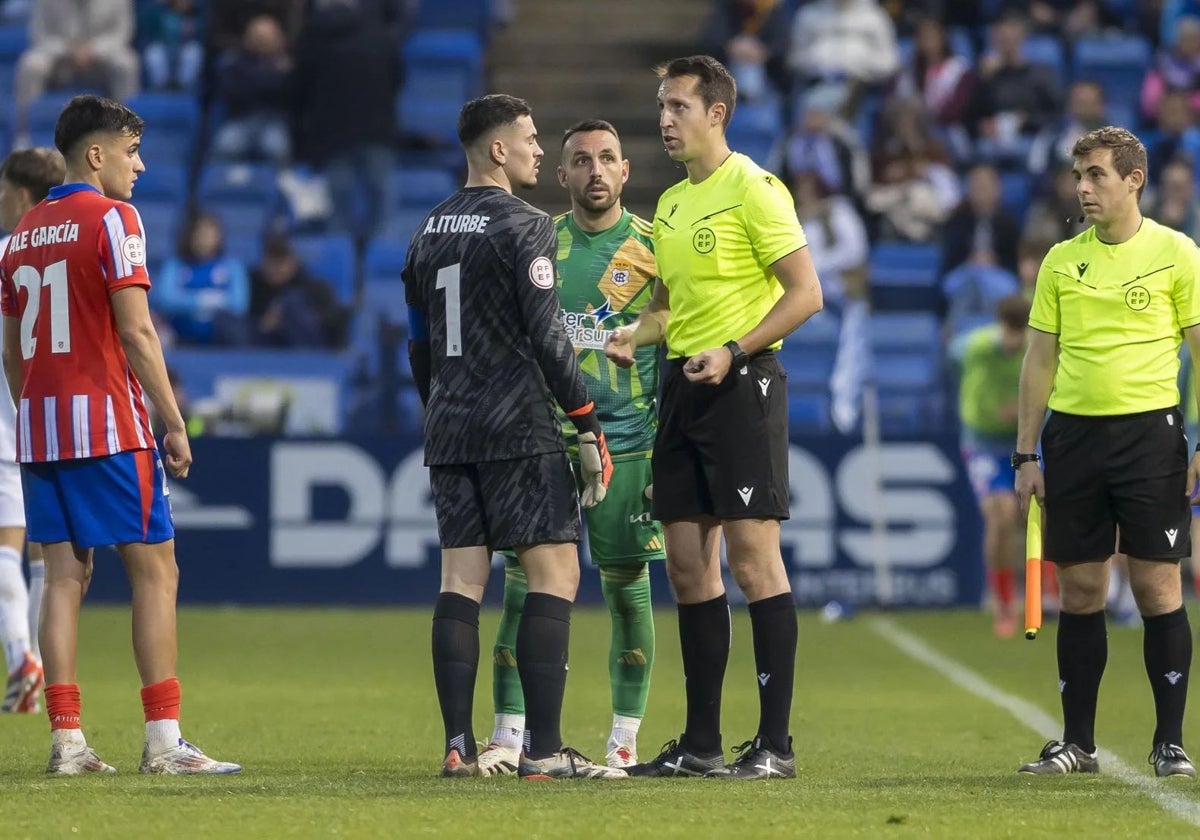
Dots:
pixel 771 222
pixel 1184 290
pixel 1044 315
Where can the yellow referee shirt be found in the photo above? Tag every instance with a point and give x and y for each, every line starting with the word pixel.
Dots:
pixel 715 242
pixel 1118 312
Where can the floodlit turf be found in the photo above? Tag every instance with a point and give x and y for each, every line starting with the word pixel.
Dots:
pixel 332 712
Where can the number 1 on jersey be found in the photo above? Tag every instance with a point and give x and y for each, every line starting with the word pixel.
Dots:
pixel 448 279
pixel 55 276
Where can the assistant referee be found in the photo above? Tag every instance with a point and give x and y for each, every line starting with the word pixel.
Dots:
pixel 1110 310
pixel 735 279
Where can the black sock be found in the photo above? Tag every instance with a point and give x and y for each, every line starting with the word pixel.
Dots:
pixel 704 639
pixel 455 661
pixel 774 626
pixel 543 637
pixel 1082 655
pixel 1167 649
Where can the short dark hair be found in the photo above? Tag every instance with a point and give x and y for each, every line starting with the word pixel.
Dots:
pixel 714 82
pixel 1128 153
pixel 1013 311
pixel 487 113
pixel 589 125
pixel 36 170
pixel 87 114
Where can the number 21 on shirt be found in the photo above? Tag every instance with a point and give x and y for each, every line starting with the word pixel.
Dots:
pixel 55 278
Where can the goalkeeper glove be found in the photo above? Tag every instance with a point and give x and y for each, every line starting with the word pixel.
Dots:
pixel 594 462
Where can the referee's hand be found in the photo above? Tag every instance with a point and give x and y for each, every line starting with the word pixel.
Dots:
pixel 619 347
pixel 1030 482
pixel 708 367
pixel 1193 479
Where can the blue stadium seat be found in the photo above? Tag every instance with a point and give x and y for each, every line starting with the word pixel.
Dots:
pixel 165 181
pixel 820 330
pixel 332 259
pixel 907 372
pixel 904 414
pixel 808 368
pixel 762 116
pixel 911 331
pixel 755 144
pixel 426 117
pixel 161 217
pixel 904 276
pixel 808 413
pixel 475 15
pixel 14 39
pixel 1048 50
pixel 246 219
pixel 1117 62
pixel 444 61
pixel 43 114
pixel 422 188
pixel 384 261
pixel 239 183
pixel 172 120
pixel 246 247
pixel 403 224
pixel 1015 192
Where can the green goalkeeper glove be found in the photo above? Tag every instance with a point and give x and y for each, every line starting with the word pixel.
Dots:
pixel 594 461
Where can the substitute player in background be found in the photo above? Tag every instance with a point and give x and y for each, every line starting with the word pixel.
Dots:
pixel 736 278
pixel 81 357
pixel 490 358
pixel 1110 310
pixel 26 176
pixel 606 274
pixel 989 361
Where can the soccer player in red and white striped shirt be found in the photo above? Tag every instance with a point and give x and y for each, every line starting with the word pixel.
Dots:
pixel 82 359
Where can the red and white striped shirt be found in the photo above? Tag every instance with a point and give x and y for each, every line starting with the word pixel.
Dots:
pixel 80 398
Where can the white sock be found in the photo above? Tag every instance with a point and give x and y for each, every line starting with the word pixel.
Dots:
pixel 14 608
pixel 161 735
pixel 509 731
pixel 68 738
pixel 37 583
pixel 624 732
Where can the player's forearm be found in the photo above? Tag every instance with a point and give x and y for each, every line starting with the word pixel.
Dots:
pixel 14 374
pixel 1037 379
pixel 420 362
pixel 797 305
pixel 144 352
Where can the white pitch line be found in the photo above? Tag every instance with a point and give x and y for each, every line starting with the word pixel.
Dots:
pixel 1176 805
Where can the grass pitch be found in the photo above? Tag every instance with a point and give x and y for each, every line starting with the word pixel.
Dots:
pixel 333 715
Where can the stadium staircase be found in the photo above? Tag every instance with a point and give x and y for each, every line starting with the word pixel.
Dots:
pixel 577 60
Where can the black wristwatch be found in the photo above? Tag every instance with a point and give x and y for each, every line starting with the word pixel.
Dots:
pixel 740 359
pixel 1019 458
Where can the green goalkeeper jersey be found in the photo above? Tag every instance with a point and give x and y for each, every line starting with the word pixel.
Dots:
pixel 604 280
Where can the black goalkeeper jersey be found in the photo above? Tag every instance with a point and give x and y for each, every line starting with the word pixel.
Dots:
pixel 481 269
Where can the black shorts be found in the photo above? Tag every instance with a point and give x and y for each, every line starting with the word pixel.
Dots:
pixel 722 450
pixel 506 504
pixel 1126 472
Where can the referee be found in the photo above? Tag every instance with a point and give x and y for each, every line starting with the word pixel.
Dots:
pixel 735 279
pixel 1110 310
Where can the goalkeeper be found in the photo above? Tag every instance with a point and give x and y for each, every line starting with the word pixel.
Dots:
pixel 606 274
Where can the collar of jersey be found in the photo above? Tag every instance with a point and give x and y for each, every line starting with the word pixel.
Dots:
pixel 64 190
pixel 592 234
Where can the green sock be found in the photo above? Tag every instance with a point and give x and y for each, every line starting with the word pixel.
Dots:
pixel 631 656
pixel 506 682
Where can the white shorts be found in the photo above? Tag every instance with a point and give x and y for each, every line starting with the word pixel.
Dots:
pixel 12 500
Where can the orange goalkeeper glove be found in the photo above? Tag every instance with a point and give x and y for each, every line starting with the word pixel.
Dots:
pixel 594 461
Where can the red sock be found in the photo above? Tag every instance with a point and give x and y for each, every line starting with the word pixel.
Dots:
pixel 62 705
pixel 160 701
pixel 1001 582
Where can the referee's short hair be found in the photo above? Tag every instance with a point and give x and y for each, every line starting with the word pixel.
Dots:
pixel 1128 153
pixel 714 82
pixel 485 114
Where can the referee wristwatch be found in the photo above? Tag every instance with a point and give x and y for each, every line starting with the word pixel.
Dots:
pixel 1019 458
pixel 740 359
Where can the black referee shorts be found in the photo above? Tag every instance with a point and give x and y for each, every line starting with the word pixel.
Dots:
pixel 1126 472
pixel 722 450
pixel 506 504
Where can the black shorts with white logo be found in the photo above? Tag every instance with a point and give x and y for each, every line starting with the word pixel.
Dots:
pixel 722 450
pixel 1126 472
pixel 506 504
